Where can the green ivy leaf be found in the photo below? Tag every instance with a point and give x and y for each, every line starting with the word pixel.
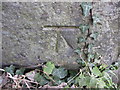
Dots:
pixel 94 35
pixel 57 80
pixel 87 80
pixel 93 82
pixel 84 28
pixel 90 46
pixel 77 80
pixel 46 76
pixel 81 62
pixel 90 56
pixel 96 20
pixel 97 58
pixel 78 51
pixel 107 77
pixel 49 67
pixel 81 39
pixel 10 69
pixel 115 65
pixel 66 87
pixel 40 79
pixel 101 83
pixel 36 77
pixel 20 71
pixel 81 80
pixel 72 73
pixel 112 73
pixel 96 71
pixel 60 72
pixel 86 6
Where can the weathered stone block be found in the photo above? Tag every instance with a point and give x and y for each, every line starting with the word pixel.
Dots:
pixel 25 42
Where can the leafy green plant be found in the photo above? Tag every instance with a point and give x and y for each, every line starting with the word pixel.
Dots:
pixel 51 74
pixel 60 72
pixel 40 79
pixel 96 19
pixel 83 27
pixel 78 51
pixel 20 71
pixel 94 35
pixel 12 71
pixel 91 73
pixel 81 39
pixel 49 67
pixel 86 6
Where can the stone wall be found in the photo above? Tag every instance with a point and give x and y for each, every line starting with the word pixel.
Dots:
pixel 25 42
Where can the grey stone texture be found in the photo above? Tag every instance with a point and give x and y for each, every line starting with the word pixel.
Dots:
pixel 107 43
pixel 0 34
pixel 26 43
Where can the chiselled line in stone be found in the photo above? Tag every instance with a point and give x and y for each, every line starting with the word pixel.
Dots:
pixel 60 28
pixel 53 27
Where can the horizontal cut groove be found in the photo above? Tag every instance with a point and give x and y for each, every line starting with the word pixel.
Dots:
pixel 49 26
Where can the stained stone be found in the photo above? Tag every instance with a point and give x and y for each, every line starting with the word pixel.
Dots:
pixel 108 40
pixel 25 42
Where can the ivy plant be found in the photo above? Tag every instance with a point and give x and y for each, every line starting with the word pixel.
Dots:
pixel 86 6
pixel 91 73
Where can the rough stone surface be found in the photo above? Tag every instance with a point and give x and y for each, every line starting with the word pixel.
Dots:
pixel 107 43
pixel 0 34
pixel 24 41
